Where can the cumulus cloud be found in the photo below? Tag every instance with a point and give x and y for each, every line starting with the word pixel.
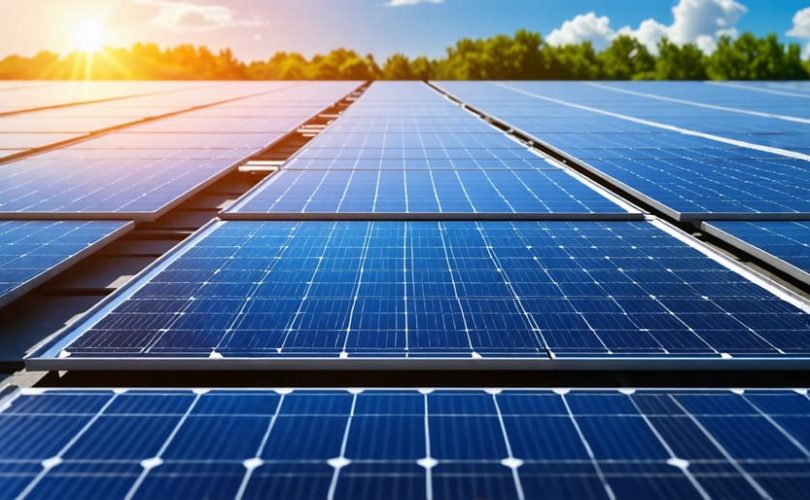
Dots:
pixel 693 21
pixel 403 3
pixel 583 28
pixel 801 27
pixel 179 15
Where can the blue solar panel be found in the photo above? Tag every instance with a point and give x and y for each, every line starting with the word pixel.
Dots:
pixel 498 290
pixel 390 158
pixel 551 192
pixel 32 251
pixel 141 172
pixel 139 188
pixel 688 176
pixel 784 244
pixel 583 444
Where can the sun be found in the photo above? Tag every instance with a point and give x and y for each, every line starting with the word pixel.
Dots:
pixel 89 36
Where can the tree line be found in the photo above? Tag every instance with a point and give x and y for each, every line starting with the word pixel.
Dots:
pixel 525 55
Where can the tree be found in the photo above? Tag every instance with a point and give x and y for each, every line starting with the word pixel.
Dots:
pixel 626 58
pixel 423 68
pixel 571 62
pixel 397 67
pixel 679 62
pixel 523 55
pixel 752 58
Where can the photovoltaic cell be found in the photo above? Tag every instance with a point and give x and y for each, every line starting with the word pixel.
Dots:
pixel 686 176
pixel 32 251
pixel 499 290
pixel 314 444
pixel 784 244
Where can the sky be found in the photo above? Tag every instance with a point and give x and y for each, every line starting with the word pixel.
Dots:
pixel 256 28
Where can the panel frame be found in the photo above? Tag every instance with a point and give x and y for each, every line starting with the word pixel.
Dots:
pixel 49 355
pixel 761 254
pixel 65 264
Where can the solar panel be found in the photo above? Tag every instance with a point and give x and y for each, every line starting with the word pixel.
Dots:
pixel 688 176
pixel 135 188
pixel 551 193
pixel 783 244
pixel 139 174
pixel 38 129
pixel 586 444
pixel 519 292
pixel 391 158
pixel 33 251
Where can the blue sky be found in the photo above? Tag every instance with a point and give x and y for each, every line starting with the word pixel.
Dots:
pixel 255 28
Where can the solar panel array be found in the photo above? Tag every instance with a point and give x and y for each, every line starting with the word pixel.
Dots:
pixel 256 293
pixel 690 162
pixel 135 172
pixel 22 130
pixel 314 444
pixel 140 171
pixel 31 251
pixel 403 149
pixel 411 234
pixel 695 151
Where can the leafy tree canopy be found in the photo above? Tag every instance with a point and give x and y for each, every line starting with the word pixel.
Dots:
pixel 524 55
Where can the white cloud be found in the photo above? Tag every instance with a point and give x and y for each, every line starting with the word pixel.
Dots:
pixel 801 27
pixel 704 18
pixel 584 27
pixel 693 21
pixel 403 3
pixel 179 15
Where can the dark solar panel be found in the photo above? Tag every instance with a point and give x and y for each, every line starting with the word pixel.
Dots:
pixel 32 251
pixel 500 290
pixel 583 444
pixel 784 244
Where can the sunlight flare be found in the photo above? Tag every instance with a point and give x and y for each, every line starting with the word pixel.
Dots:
pixel 89 36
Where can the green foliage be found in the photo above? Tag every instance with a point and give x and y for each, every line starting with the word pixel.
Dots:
pixel 625 59
pixel 752 58
pixel 679 62
pixel 524 55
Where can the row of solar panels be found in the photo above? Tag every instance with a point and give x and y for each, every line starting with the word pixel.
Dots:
pixel 584 444
pixel 407 293
pixel 732 153
pixel 52 202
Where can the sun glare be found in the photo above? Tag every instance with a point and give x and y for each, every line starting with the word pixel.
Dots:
pixel 90 36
